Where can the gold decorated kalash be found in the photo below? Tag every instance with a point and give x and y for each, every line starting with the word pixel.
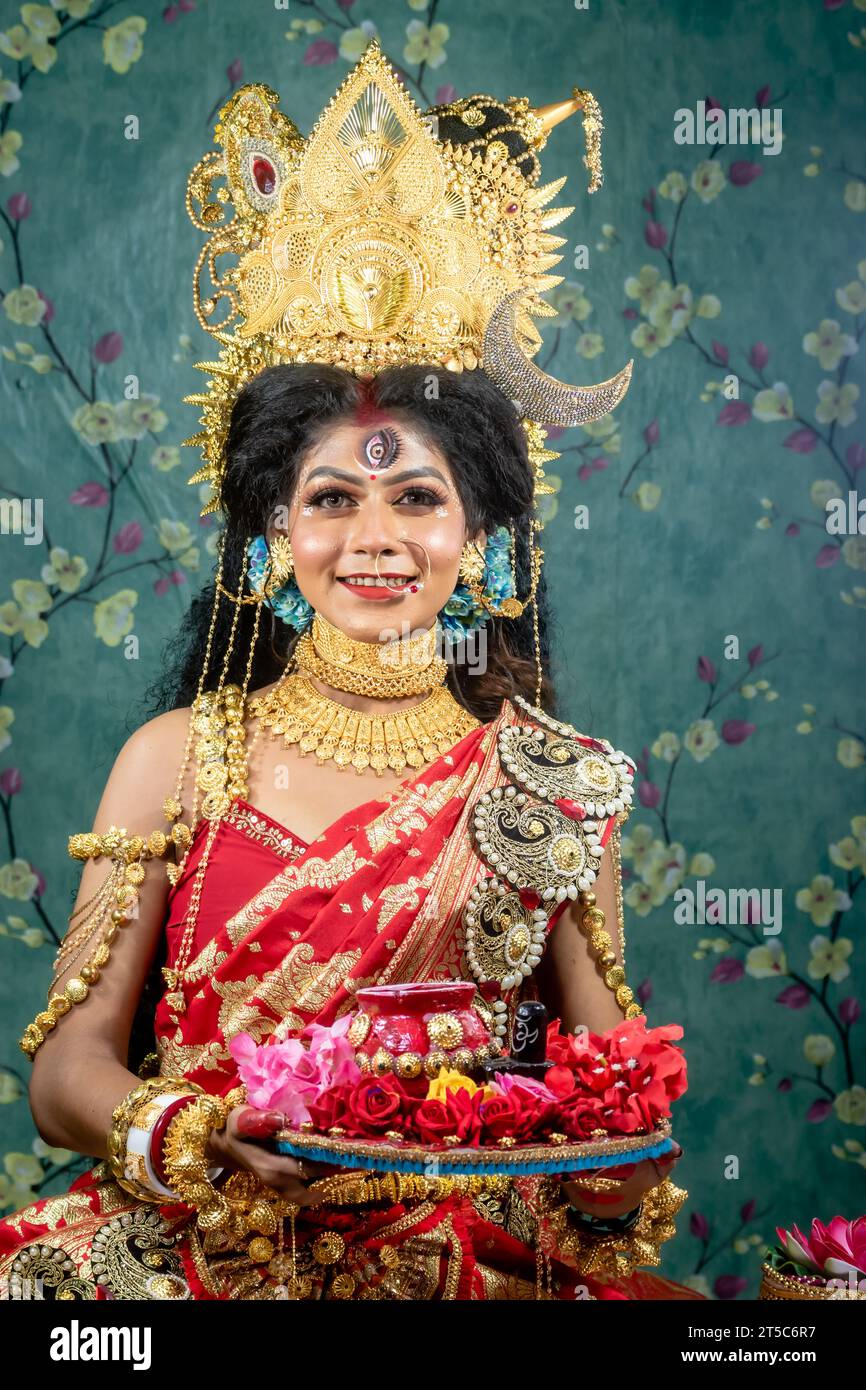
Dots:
pixel 388 236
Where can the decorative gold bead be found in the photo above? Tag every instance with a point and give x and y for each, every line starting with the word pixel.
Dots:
pixel 76 990
pixel 260 1250
pixel 607 959
pixel 45 1021
pixel 89 973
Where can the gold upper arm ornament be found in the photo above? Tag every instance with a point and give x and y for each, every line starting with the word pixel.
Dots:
pixel 541 835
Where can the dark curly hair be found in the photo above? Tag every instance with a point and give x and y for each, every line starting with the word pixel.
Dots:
pixel 277 418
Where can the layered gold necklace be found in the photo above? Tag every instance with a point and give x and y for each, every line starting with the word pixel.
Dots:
pixel 317 724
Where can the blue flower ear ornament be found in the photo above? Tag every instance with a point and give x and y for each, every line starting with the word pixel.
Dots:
pixel 461 615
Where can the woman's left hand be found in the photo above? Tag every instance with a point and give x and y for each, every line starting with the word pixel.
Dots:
pixel 637 1180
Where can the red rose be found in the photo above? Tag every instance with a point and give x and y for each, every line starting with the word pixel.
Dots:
pixel 433 1122
pixel 499 1117
pixel 465 1112
pixel 580 1116
pixel 373 1107
pixel 331 1108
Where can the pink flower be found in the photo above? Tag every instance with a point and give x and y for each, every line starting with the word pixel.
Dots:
pixel 835 1250
pixel 507 1083
pixel 287 1075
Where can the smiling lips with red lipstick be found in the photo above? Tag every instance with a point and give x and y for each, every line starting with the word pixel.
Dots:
pixel 385 586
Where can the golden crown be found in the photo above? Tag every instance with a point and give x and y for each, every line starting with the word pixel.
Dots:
pixel 390 235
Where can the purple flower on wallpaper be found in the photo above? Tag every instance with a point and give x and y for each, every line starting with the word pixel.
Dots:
pixel 743 172
pixel 728 1286
pixel 162 586
pixel 827 556
pixel 649 794
pixel 49 307
pixel 651 433
pixel 728 971
pixel 785 1085
pixel 644 991
pixel 170 13
pixel 177 577
pixel 755 655
pixel 792 529
pixel 747 1210
pixel 737 730
pixel 447 92
pixel 793 997
pixel 759 356
pixel 849 1010
pixel 128 538
pixel 89 495
pixel 235 71
pixel 10 781
pixel 19 206
pixel 818 1111
pixel 802 441
pixel 320 53
pixel 706 670
pixel 699 1226
pixel 108 348
pixel 834 4
pixel 345 4
pixel 855 457
pixel 734 413
pixel 720 352
pixel 655 235
pixel 762 95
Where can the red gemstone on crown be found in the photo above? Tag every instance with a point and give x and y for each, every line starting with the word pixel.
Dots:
pixel 264 174
pixel 571 808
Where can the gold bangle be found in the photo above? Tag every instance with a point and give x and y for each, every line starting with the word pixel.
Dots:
pixel 125 1115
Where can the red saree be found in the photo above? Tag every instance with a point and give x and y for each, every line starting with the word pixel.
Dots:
pixel 286 934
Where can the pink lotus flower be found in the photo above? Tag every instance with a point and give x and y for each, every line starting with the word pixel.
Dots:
pixel 288 1075
pixel 833 1250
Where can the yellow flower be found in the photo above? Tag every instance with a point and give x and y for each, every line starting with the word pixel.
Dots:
pixel 10 144
pixel 673 186
pixel 23 1167
pixel 638 844
pixel 830 958
pixel 7 718
pixel 16 42
pixel 96 422
pixel 15 1194
pixel 64 570
pixel 644 287
pixel 641 898
pixel 42 55
pixel 852 297
pixel 701 864
pixel 647 496
pixel 829 344
pixel 354 41
pixel 23 305
pixel 773 404
pixel 666 746
pixel 822 900
pixel 701 739
pixel 135 419
pixel 837 402
pixel 650 339
pixel 708 180
pixel 589 345
pixel 450 1081
pixel 77 9
pixel 426 44
pixel 850 1106
pixel 112 618
pixel 855 195
pixel 121 44
pixel 851 752
pixel 18 881
pixel 174 536
pixel 570 302
pixel 849 853
pixel 766 962
pixel 9 1088
pixel 819 1049
pixel 709 306
pixel 41 21
pixel 43 1150
pixel 672 308
pixel 166 457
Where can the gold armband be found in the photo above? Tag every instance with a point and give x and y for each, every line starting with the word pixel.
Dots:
pixel 113 906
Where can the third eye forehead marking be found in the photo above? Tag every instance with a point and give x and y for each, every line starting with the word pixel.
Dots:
pixel 380 450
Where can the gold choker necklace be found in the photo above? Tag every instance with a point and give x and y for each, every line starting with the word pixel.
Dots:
pixel 316 724
pixel 382 670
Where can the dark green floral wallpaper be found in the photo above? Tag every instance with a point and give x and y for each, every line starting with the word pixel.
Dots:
pixel 706 547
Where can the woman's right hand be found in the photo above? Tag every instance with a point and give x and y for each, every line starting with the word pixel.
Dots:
pixel 243 1144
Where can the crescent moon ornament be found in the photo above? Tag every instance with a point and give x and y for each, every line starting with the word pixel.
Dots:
pixel 536 395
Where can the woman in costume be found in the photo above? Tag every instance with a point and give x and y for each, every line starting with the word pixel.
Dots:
pixel 373 434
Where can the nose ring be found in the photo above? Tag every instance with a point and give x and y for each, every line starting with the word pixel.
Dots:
pixel 413 588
